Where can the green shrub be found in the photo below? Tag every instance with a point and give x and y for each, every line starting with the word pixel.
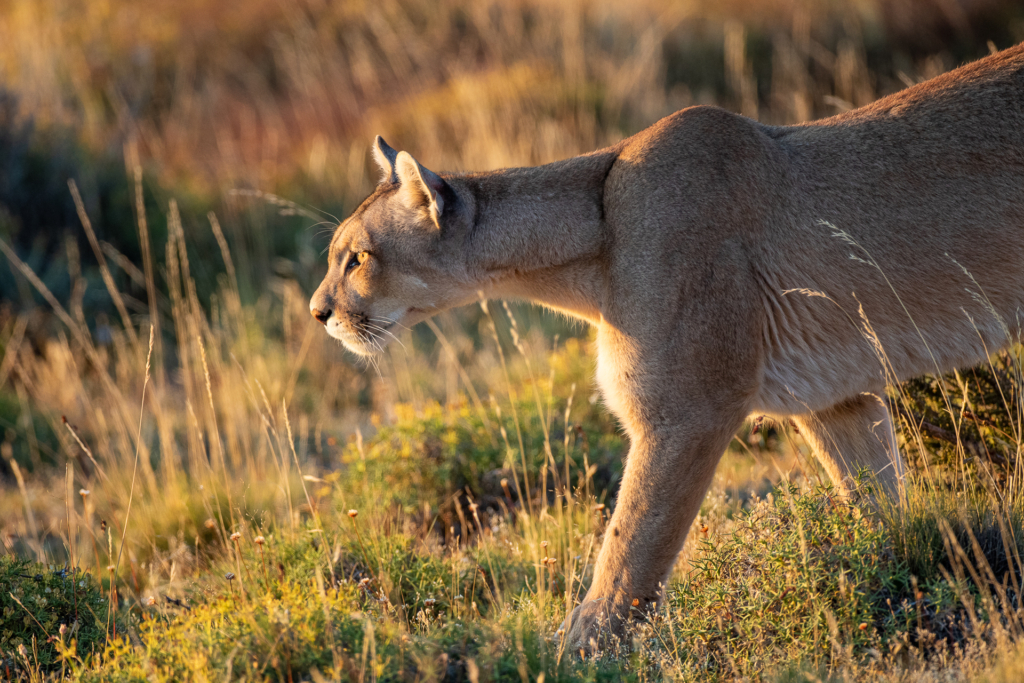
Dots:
pixel 965 418
pixel 934 524
pixel 802 576
pixel 36 601
pixel 442 453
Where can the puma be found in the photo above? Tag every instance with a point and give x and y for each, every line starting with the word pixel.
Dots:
pixel 730 268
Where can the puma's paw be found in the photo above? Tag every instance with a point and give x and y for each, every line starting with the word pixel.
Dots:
pixel 599 623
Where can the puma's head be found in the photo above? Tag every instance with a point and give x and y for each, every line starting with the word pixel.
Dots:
pixel 398 259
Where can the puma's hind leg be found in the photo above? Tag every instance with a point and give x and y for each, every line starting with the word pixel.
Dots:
pixel 853 435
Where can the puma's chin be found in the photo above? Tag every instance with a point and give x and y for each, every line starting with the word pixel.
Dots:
pixel 354 341
pixel 371 335
pixel 361 347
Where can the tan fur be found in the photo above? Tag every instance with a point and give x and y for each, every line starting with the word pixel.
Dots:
pixel 686 244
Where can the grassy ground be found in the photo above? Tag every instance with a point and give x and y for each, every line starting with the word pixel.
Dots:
pixel 196 484
pixel 228 535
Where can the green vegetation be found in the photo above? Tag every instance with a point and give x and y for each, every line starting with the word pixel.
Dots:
pixel 797 579
pixel 49 615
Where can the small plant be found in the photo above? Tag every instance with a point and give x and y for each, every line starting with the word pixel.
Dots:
pixel 47 610
pixel 801 576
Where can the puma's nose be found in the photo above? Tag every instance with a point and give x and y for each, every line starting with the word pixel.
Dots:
pixel 322 316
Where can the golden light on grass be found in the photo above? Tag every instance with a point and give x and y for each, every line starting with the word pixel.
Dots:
pixel 290 99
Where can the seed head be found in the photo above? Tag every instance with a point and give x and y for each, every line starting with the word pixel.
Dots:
pixel 84 492
pixel 230 576
pixel 149 601
pixel 259 540
pixel 429 602
pixel 210 524
pixel 111 568
pixel 63 629
pixel 235 536
pixel 863 626
pixel 353 513
pixel 23 651
pixel 543 544
pixel 364 582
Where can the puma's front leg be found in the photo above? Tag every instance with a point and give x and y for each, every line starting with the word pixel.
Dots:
pixel 681 384
pixel 668 472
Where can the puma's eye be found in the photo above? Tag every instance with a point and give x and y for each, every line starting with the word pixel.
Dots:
pixel 356 259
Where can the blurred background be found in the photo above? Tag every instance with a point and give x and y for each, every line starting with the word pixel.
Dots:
pixel 215 100
pixel 213 146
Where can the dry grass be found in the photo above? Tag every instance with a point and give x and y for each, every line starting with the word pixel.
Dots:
pixel 277 95
pixel 254 423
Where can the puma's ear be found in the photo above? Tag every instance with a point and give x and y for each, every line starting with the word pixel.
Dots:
pixel 421 187
pixel 385 158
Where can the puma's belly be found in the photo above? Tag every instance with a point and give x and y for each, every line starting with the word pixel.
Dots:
pixel 799 377
pixel 796 381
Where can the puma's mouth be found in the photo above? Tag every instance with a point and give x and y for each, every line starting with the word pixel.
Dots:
pixel 368 335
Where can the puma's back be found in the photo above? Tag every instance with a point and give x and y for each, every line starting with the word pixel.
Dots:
pixel 909 215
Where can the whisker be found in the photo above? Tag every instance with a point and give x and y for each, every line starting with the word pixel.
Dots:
pixel 376 368
pixel 326 213
pixel 370 358
pixel 389 322
pixel 376 364
pixel 374 339
pixel 392 335
pixel 290 208
pixel 387 332
pixel 317 225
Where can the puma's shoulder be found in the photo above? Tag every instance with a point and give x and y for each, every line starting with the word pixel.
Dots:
pixel 703 130
pixel 701 166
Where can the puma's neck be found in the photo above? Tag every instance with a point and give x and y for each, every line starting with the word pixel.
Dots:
pixel 539 233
